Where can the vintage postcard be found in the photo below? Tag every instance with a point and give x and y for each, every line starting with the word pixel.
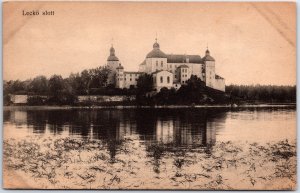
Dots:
pixel 149 95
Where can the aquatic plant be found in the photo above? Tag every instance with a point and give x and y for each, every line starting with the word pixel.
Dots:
pixel 88 164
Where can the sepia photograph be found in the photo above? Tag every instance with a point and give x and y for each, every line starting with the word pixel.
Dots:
pixel 149 95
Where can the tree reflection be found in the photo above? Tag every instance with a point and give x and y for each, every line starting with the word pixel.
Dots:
pixel 160 130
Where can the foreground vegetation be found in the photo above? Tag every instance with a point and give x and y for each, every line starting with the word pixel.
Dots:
pixel 64 163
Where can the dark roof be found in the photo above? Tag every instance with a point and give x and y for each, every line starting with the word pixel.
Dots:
pixel 112 58
pixel 120 67
pixel 208 58
pixel 181 58
pixel 218 77
pixel 156 53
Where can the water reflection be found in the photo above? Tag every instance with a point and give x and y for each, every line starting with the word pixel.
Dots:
pixel 178 128
pixel 157 129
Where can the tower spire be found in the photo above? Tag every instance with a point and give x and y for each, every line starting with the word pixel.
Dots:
pixel 156 37
pixel 207 51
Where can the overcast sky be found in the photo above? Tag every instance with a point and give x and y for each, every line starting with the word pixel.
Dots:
pixel 252 43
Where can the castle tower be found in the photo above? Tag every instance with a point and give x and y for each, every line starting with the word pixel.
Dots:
pixel 209 65
pixel 120 78
pixel 112 64
pixel 155 60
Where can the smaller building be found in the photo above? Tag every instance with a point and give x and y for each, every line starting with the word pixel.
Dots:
pixel 19 99
pixel 162 78
pixel 126 79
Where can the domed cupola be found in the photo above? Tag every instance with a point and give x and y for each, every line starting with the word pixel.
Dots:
pixel 155 45
pixel 156 52
pixel 112 50
pixel 112 56
pixel 207 56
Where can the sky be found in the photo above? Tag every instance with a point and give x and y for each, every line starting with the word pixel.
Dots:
pixel 252 43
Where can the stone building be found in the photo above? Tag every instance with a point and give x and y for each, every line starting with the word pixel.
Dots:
pixel 168 70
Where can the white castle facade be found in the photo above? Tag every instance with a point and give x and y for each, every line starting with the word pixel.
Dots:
pixel 168 70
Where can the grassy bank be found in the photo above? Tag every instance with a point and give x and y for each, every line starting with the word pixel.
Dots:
pixel 57 163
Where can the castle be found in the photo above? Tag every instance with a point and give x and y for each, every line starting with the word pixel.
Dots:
pixel 168 70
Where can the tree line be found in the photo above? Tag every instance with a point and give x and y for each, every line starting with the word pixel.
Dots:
pixel 76 83
pixel 60 90
pixel 262 93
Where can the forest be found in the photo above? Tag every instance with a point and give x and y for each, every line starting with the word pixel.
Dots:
pixel 262 93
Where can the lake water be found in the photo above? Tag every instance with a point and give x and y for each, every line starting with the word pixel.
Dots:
pixel 196 148
pixel 176 127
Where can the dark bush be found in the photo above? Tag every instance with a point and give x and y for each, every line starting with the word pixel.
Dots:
pixel 36 100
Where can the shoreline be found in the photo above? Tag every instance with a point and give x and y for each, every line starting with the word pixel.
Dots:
pixel 25 107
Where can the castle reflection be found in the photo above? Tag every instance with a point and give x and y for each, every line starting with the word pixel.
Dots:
pixel 171 128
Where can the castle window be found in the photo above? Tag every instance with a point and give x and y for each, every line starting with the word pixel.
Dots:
pixel 156 63
pixel 168 79
pixel 161 79
pixel 130 79
pixel 124 78
pixel 175 76
pixel 161 63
